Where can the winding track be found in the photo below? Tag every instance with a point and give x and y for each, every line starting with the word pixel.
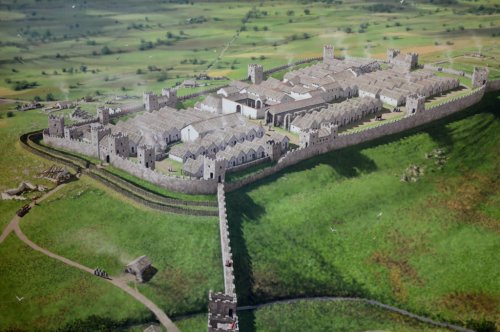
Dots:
pixel 14 226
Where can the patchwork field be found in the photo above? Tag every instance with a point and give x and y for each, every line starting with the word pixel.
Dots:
pixel 341 224
pixel 344 224
pixel 122 48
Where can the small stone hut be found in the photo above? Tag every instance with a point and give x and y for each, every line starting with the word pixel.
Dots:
pixel 142 269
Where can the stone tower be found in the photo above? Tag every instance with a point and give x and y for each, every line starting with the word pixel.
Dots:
pixel 222 312
pixel 214 168
pixel 171 96
pixel 255 73
pixel 328 52
pixel 273 150
pixel 56 125
pixel 412 60
pixel 392 53
pixel 119 145
pixel 103 115
pixel 146 156
pixel 415 104
pixel 307 138
pixel 150 101
pixel 479 76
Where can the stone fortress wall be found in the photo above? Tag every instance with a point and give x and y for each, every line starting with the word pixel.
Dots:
pixel 222 306
pixel 384 129
pixel 202 186
pixel 75 145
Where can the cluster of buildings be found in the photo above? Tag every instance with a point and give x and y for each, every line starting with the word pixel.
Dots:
pixel 339 114
pixel 225 131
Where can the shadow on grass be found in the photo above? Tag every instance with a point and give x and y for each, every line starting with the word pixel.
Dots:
pixel 242 209
pixel 349 162
pixel 246 321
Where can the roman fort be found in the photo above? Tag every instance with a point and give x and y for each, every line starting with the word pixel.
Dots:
pixel 258 120
pixel 253 166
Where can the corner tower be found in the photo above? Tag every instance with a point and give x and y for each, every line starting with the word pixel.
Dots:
pixel 479 76
pixel 255 73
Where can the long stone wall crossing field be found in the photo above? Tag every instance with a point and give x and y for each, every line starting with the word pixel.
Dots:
pixel 227 256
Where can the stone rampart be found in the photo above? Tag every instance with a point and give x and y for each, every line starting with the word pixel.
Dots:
pixel 247 165
pixel 175 183
pixel 227 256
pixel 493 85
pixel 78 146
pixel 357 137
pixel 446 70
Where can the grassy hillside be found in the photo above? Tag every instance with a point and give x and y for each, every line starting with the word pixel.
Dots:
pixel 71 50
pixel 109 233
pixel 55 294
pixel 344 224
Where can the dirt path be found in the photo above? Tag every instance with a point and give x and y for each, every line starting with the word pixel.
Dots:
pixel 120 283
pixel 10 227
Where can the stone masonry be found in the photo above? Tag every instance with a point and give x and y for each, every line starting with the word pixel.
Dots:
pixel 222 306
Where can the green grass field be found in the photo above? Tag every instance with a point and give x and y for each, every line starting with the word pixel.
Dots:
pixel 109 234
pixel 344 224
pixel 127 47
pixel 316 316
pixel 55 294
pixel 430 250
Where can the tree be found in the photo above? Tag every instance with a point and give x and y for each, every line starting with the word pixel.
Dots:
pixel 50 97
pixel 307 11
pixel 106 51
pixel 290 13
pixel 37 99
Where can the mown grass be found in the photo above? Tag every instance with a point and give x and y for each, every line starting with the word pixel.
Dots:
pixel 344 224
pixel 55 294
pixel 95 227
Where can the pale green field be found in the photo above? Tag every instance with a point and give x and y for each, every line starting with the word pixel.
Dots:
pixel 272 36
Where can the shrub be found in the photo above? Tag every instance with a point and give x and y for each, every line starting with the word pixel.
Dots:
pixel 106 51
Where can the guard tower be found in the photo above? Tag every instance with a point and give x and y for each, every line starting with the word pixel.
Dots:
pixel 255 73
pixel 479 76
pixel 171 96
pixel 392 53
pixel 103 115
pixel 150 101
pixel 146 156
pixel 415 104
pixel 214 168
pixel 328 53
pixel 412 60
pixel 56 125
pixel 119 145
pixel 222 312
